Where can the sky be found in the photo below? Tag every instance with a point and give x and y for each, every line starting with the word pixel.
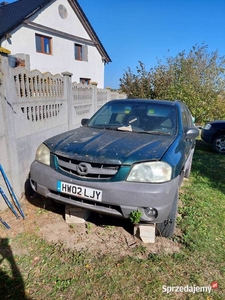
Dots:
pixel 144 30
pixel 147 30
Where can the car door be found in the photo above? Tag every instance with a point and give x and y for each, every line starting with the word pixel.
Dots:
pixel 187 124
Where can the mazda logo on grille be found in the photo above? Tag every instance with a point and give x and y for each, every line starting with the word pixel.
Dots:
pixel 82 168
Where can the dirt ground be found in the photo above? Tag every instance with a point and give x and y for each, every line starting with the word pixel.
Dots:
pixel 100 234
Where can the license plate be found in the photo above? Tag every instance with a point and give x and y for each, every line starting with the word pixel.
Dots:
pixel 79 191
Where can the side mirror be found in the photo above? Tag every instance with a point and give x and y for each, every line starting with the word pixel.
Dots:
pixel 192 132
pixel 84 121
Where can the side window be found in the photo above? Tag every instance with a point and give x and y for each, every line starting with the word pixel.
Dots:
pixel 186 117
pixel 81 52
pixel 43 44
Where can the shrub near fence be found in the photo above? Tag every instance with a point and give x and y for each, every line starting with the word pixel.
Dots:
pixel 36 106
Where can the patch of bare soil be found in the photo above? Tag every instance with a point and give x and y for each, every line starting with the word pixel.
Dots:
pixel 100 234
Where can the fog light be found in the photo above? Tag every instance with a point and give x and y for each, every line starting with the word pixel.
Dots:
pixel 150 212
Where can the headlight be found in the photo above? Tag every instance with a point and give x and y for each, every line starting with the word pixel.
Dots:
pixel 43 154
pixel 154 172
pixel 207 126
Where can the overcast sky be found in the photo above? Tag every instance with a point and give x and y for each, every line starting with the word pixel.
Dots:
pixel 143 30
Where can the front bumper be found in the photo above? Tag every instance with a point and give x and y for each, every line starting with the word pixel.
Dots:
pixel 118 198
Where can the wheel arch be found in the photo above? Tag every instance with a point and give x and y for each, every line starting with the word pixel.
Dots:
pixel 217 133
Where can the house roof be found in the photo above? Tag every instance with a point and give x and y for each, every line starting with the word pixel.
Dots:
pixel 14 14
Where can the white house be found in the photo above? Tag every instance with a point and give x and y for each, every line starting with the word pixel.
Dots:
pixel 56 35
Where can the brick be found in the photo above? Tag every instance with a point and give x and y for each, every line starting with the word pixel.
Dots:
pixel 145 232
pixel 75 215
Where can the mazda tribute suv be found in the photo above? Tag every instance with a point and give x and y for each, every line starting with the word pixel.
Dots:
pixel 131 155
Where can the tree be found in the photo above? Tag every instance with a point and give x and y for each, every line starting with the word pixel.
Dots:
pixel 196 78
pixel 137 85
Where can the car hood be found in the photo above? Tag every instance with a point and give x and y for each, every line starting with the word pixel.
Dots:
pixel 218 122
pixel 109 146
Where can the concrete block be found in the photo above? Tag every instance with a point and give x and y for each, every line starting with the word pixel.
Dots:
pixel 75 215
pixel 145 232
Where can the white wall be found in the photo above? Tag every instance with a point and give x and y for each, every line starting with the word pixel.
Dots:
pixel 62 58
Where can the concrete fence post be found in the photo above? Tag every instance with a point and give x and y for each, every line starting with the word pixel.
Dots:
pixel 108 94
pixel 67 76
pixel 94 96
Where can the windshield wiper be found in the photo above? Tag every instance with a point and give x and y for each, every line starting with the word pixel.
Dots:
pixel 155 132
pixel 104 127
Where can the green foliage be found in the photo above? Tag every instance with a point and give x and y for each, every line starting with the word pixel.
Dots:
pixel 196 78
pixel 137 85
pixel 135 216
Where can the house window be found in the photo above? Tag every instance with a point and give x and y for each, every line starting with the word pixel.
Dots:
pixel 43 44
pixel 85 80
pixel 81 52
pixel 78 52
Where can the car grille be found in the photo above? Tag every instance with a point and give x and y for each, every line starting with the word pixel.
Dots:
pixel 87 169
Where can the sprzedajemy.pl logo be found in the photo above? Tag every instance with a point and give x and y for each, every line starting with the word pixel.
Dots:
pixel 190 288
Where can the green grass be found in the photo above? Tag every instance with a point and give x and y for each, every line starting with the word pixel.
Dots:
pixel 49 271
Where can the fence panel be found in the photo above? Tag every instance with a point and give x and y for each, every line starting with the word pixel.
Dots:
pixel 35 106
pixel 82 102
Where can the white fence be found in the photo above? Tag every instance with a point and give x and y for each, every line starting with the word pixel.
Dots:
pixel 35 106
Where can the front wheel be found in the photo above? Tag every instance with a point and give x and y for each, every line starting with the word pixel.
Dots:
pixel 166 228
pixel 218 144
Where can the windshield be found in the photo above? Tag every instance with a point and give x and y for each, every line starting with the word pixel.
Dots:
pixel 153 118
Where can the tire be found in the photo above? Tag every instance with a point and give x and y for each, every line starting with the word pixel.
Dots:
pixel 166 228
pixel 218 144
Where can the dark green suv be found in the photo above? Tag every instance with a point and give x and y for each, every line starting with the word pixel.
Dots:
pixel 131 155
